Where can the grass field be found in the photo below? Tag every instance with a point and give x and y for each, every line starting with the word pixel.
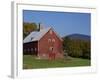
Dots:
pixel 30 62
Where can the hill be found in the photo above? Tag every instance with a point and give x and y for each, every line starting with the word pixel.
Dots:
pixel 78 37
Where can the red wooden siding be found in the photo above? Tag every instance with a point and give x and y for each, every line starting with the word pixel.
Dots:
pixel 50 43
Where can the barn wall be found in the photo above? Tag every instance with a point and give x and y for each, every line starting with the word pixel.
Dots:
pixel 47 42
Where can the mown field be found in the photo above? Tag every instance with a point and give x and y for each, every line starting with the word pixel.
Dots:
pixel 30 62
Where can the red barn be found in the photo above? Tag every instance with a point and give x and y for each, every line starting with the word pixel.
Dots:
pixel 45 44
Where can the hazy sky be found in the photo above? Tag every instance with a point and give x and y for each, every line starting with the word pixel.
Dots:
pixel 64 23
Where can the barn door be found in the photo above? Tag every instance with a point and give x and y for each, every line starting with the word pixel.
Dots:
pixel 51 54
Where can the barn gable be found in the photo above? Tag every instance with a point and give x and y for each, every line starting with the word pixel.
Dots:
pixel 37 35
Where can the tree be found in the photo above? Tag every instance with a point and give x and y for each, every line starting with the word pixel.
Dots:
pixel 86 50
pixel 28 27
pixel 77 48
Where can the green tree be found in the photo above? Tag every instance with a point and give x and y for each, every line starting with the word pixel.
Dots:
pixel 77 48
pixel 86 50
pixel 28 27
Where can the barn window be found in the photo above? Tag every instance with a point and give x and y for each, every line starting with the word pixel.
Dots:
pixel 28 49
pixel 31 49
pixel 35 49
pixel 53 40
pixel 50 31
pixel 49 40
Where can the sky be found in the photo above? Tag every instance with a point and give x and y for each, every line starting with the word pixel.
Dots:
pixel 64 23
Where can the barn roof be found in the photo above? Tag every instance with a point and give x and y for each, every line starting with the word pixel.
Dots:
pixel 36 35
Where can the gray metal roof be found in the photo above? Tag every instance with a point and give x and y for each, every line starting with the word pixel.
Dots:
pixel 36 35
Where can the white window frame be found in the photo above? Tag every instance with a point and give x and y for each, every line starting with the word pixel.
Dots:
pixel 53 40
pixel 49 40
pixel 31 49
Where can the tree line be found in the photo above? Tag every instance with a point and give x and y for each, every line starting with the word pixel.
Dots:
pixel 77 48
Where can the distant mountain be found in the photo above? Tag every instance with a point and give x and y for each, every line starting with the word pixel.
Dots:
pixel 78 37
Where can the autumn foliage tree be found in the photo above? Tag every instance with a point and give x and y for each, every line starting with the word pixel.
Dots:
pixel 77 48
pixel 28 27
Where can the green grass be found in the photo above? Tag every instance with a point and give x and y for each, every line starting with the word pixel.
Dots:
pixel 30 62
